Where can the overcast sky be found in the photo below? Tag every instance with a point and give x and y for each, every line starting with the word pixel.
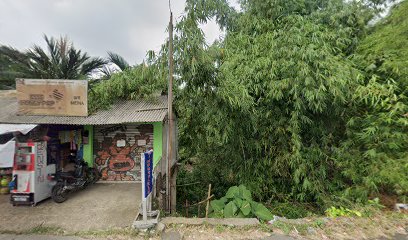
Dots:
pixel 127 27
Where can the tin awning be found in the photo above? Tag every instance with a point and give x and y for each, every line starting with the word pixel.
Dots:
pixel 22 128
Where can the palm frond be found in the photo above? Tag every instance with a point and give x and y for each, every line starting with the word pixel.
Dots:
pixel 40 63
pixel 107 72
pixel 52 49
pixel 13 55
pixel 92 64
pixel 118 60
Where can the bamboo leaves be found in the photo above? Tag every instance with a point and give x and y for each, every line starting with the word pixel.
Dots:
pixel 283 102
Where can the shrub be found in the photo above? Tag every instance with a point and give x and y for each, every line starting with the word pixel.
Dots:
pixel 238 202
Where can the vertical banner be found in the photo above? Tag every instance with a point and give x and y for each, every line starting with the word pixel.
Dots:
pixel 148 173
pixel 147 181
pixel 41 162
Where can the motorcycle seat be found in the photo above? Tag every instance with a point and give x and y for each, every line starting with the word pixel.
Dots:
pixel 67 174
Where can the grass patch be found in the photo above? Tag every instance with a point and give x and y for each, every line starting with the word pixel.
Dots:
pixel 319 223
pixel 51 230
pixel 219 228
pixel 293 210
pixel 44 230
pixel 285 227
pixel 265 227
pixel 40 230
pixel 9 232
pixel 300 227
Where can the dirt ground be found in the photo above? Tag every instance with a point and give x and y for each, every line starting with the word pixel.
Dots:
pixel 383 226
pixel 100 206
pixel 106 211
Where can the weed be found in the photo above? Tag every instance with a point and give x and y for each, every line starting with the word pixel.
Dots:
pixel 285 227
pixel 319 223
pixel 40 229
pixel 292 210
pixel 265 227
pixel 375 203
pixel 301 228
pixel 219 228
pixel 341 212
pixel 9 232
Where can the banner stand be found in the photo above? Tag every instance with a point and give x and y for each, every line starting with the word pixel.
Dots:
pixel 147 218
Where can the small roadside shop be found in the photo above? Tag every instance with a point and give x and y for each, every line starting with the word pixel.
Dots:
pixel 110 140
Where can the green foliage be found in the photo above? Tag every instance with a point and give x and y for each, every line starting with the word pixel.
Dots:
pixel 238 202
pixel 384 52
pixel 8 73
pixel 293 210
pixel 61 60
pixel 295 101
pixel 118 60
pixel 373 155
pixel 292 109
pixel 274 94
pixel 319 223
pixel 193 184
pixel 142 81
pixel 342 212
pixel 116 64
pixel 302 101
pixel 375 203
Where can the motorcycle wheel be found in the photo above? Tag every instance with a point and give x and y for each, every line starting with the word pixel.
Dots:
pixel 58 194
pixel 96 175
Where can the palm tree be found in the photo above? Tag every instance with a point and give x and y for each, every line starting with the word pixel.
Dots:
pixel 60 61
pixel 8 73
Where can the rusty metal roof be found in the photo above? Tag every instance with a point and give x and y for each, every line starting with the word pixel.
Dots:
pixel 128 111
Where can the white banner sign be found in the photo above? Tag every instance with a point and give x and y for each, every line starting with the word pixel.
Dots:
pixel 10 128
pixel 7 154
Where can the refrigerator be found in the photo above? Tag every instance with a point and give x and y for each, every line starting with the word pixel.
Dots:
pixel 31 174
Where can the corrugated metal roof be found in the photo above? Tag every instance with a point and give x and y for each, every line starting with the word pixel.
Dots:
pixel 121 112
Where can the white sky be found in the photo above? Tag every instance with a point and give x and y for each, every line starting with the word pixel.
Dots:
pixel 127 27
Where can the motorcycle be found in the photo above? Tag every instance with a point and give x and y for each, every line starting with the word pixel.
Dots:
pixel 67 182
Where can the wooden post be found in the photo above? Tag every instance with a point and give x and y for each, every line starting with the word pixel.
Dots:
pixel 187 206
pixel 170 138
pixel 173 189
pixel 208 201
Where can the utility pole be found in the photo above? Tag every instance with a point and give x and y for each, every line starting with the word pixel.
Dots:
pixel 170 139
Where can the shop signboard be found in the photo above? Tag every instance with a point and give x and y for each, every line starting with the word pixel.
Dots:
pixel 56 97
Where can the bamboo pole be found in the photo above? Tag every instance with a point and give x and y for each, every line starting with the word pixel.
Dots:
pixel 187 206
pixel 208 201
pixel 203 201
